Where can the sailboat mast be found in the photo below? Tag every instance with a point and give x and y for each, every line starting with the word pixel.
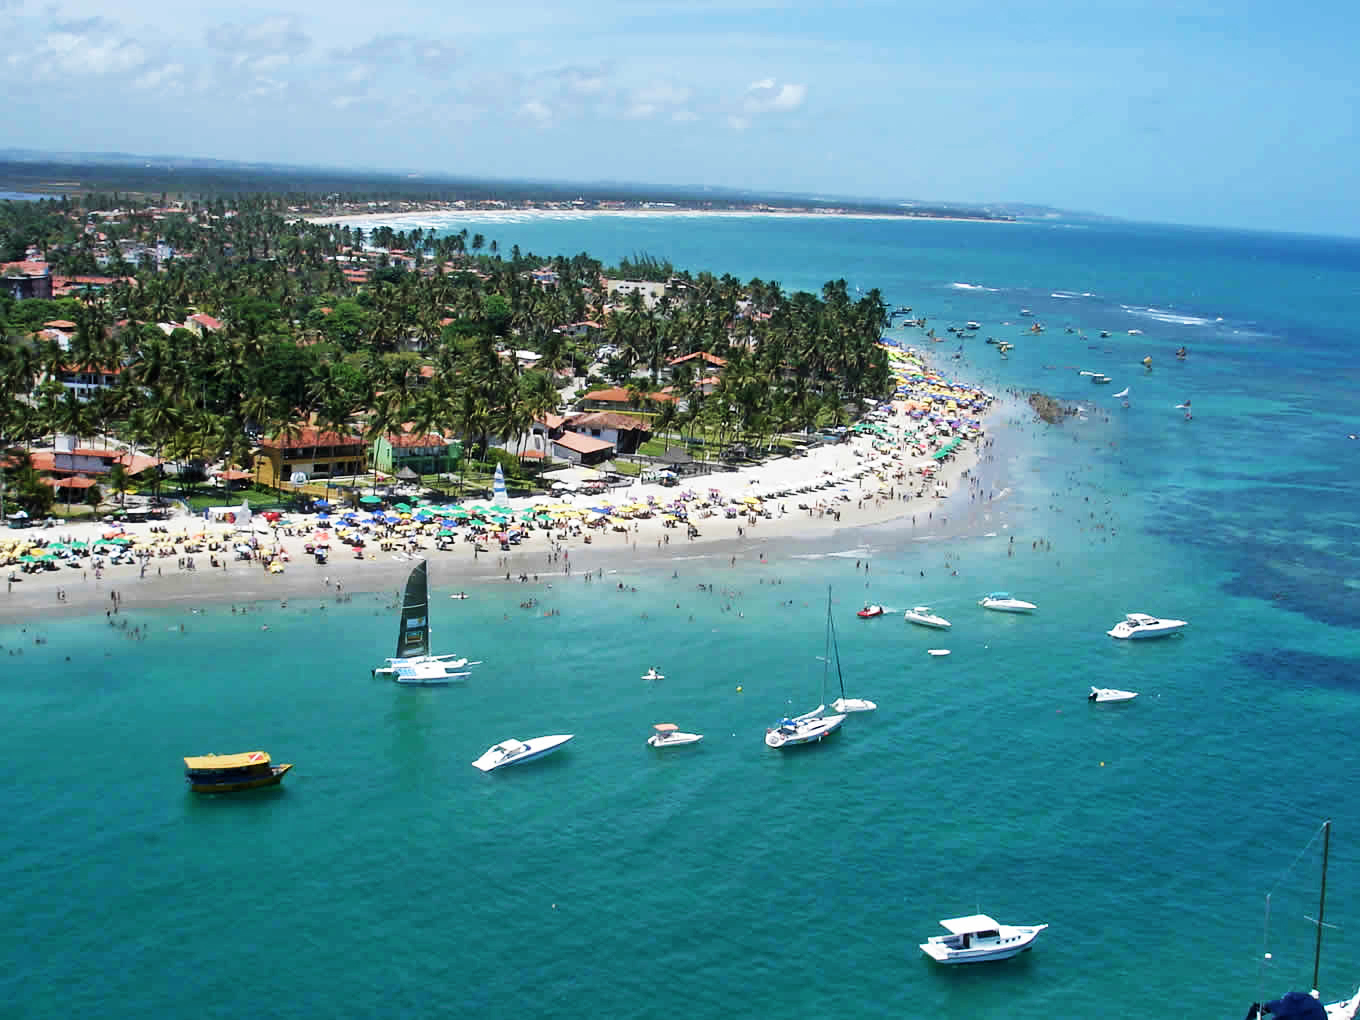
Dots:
pixel 1322 898
pixel 826 651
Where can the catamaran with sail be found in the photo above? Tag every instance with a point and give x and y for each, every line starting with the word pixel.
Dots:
pixel 810 727
pixel 413 663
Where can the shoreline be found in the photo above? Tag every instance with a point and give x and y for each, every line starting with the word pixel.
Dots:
pixel 504 215
pixel 646 545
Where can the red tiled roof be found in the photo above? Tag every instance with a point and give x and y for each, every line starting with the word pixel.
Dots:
pixel 533 455
pixel 311 437
pixel 406 439
pixel 59 324
pixel 606 420
pixel 206 321
pixel 553 421
pixel 578 443
pixel 619 395
pixel 26 268
pixel 74 482
pixel 712 359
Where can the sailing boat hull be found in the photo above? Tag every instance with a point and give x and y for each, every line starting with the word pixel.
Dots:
pixel 803 731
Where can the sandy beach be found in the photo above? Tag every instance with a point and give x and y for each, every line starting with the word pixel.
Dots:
pixel 416 217
pixel 765 532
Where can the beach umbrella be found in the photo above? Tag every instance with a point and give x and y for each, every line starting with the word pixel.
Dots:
pixel 401 506
pixel 370 500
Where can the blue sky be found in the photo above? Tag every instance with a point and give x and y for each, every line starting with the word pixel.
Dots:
pixel 1238 114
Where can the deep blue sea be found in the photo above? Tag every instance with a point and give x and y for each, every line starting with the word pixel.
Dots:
pixel 389 878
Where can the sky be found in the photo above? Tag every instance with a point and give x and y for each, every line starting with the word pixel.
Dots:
pixel 1223 114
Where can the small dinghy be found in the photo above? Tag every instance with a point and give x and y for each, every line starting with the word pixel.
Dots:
pixel 1110 694
pixel 654 674
pixel 869 612
pixel 937 651
pixel 853 705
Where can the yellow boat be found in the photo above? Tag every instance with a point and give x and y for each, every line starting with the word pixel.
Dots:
pixel 226 773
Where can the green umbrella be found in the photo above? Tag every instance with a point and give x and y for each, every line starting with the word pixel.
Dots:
pixel 403 507
pixel 497 508
pixel 446 533
pixel 78 545
pixel 370 500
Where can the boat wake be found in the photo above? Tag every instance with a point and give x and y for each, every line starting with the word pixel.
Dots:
pixel 973 286
pixel 1070 295
pixel 1171 318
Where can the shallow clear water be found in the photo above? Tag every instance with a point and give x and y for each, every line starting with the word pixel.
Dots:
pixel 387 875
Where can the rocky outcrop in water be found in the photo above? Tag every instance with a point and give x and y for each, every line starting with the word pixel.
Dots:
pixel 1049 409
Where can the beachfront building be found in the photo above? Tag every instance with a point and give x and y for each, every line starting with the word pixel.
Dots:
pixel 622 431
pixel 311 453
pixel 618 290
pixel 26 279
pixel 702 362
pixel 579 449
pixel 200 323
pixel 427 454
pixel 87 380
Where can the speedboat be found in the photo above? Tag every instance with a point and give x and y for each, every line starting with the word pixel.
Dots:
pixel 869 612
pixel 1136 626
pixel 668 735
pixel 1003 602
pixel 970 324
pixel 1110 694
pixel 923 616
pixel 654 674
pixel 808 728
pixel 516 752
pixel 1100 380
pixel 977 938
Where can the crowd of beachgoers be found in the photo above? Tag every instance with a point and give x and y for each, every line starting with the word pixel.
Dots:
pixel 901 462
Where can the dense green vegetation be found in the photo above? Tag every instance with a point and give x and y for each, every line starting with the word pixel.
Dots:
pixel 424 339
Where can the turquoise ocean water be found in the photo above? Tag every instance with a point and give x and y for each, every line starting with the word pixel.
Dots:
pixel 387 877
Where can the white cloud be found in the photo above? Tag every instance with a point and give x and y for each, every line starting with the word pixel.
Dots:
pixel 767 96
pixel 93 46
pixel 159 76
pixel 536 110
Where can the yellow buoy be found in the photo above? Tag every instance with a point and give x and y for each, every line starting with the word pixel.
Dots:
pixel 1102 764
pixel 738 688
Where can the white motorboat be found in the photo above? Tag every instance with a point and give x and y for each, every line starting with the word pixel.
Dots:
pixel 848 705
pixel 1004 602
pixel 977 937
pixel 1110 694
pixel 923 616
pixel 668 735
pixel 653 674
pixel 970 324
pixel 516 752
pixel 937 651
pixel 413 663
pixel 1137 626
pixel 1100 380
